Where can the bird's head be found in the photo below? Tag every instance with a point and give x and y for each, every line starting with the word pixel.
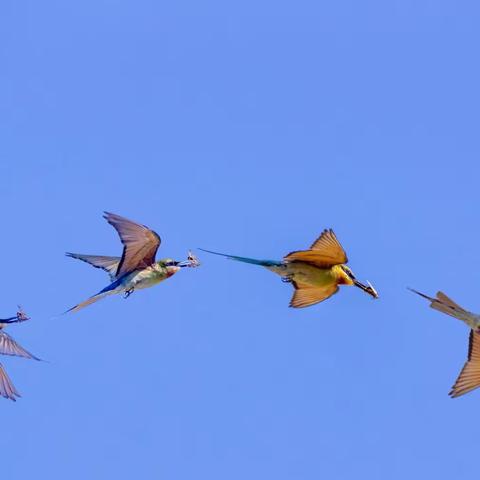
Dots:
pixel 172 266
pixel 348 278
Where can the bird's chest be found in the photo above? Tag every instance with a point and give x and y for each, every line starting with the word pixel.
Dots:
pixel 148 277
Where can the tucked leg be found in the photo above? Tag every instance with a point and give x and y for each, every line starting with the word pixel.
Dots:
pixel 128 292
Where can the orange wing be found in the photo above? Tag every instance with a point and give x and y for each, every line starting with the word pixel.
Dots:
pixel 306 295
pixel 325 252
pixel 469 377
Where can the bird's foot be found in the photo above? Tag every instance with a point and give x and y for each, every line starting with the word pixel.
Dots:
pixel 128 292
pixel 287 279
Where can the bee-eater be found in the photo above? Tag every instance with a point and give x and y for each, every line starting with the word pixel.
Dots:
pixel 8 346
pixel 469 377
pixel 136 268
pixel 315 273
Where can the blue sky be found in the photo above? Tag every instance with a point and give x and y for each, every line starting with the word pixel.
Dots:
pixel 245 127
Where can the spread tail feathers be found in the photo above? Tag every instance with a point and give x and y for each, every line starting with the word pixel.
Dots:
pixel 263 263
pixel 446 305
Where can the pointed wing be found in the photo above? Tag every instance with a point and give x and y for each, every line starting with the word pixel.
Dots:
pixel 139 242
pixel 306 295
pixel 469 377
pixel 7 389
pixel 109 264
pixel 325 252
pixel 8 346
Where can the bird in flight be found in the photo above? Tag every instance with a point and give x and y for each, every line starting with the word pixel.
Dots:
pixel 315 273
pixel 8 346
pixel 469 378
pixel 136 268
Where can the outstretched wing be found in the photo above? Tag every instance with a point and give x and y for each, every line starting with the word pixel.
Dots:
pixel 306 295
pixel 109 264
pixel 8 346
pixel 325 252
pixel 139 242
pixel 7 389
pixel 469 377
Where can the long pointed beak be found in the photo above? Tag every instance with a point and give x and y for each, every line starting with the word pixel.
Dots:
pixel 184 263
pixel 366 288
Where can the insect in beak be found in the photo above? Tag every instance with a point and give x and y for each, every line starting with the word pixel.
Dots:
pixel 366 288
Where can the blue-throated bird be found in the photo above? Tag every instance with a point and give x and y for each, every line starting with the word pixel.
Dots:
pixel 315 273
pixel 469 377
pixel 136 268
pixel 8 346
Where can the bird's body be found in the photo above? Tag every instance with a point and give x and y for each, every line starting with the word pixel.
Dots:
pixel 8 346
pixel 469 378
pixel 315 273
pixel 310 275
pixel 150 276
pixel 143 278
pixel 136 268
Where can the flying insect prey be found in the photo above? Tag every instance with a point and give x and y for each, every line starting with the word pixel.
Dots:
pixel 315 273
pixel 8 346
pixel 469 377
pixel 136 268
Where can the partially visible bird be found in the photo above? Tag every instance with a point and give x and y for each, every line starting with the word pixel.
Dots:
pixel 136 268
pixel 469 377
pixel 8 346
pixel 315 273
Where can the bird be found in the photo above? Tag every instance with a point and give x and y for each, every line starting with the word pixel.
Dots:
pixel 8 346
pixel 136 268
pixel 315 274
pixel 469 378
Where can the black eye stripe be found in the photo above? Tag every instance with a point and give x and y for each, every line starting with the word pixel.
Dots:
pixel 349 273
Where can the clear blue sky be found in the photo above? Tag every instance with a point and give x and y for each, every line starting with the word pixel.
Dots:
pixel 245 127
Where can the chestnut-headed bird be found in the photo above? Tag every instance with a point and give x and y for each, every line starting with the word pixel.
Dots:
pixel 315 273
pixel 8 346
pixel 136 268
pixel 469 377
